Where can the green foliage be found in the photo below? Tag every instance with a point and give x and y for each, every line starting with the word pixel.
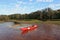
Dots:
pixel 45 14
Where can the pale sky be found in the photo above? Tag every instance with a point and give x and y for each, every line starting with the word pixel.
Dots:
pixel 26 6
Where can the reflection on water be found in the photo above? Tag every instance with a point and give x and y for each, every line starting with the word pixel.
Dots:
pixel 5 24
pixel 24 25
pixel 43 32
pixel 7 33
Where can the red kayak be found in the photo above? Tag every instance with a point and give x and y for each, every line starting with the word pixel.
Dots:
pixel 30 28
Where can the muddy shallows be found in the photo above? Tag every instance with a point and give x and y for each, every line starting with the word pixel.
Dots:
pixel 43 32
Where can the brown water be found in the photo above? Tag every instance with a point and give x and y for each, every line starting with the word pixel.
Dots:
pixel 43 32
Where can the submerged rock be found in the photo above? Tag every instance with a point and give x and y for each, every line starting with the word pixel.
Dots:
pixel 17 22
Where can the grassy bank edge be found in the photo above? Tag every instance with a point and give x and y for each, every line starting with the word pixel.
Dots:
pixel 35 21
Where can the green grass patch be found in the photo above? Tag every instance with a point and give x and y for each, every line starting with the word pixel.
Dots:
pixel 53 22
pixel 1 21
pixel 30 21
pixel 33 21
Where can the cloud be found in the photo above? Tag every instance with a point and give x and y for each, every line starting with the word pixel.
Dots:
pixel 21 2
pixel 25 2
pixel 17 7
pixel 44 0
pixel 55 6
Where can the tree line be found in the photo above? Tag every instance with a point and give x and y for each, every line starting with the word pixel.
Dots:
pixel 44 14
